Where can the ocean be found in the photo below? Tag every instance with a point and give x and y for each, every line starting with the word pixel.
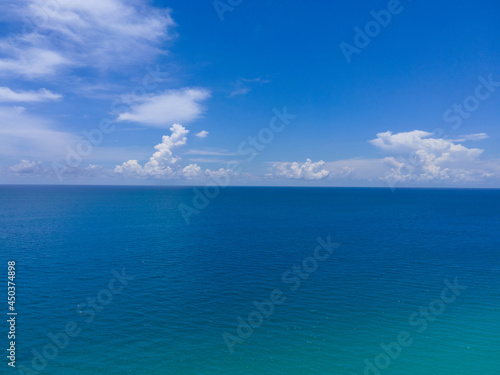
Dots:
pixel 112 280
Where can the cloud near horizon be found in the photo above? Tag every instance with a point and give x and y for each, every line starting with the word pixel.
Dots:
pixel 415 156
pixel 307 171
pixel 421 158
pixel 164 165
pixel 28 166
pixel 161 162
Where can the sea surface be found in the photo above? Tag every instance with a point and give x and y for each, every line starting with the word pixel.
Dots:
pixel 185 294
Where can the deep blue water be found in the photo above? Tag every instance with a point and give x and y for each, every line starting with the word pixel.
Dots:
pixel 193 282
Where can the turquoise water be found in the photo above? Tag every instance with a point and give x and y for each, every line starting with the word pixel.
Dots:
pixel 397 250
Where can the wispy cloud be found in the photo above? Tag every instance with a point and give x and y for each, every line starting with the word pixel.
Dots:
pixel 31 62
pixel 214 153
pixel 42 95
pixel 243 86
pixel 101 34
pixel 207 160
pixel 471 137
pixel 23 135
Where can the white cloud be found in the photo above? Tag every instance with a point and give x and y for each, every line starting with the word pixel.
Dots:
pixel 171 106
pixel 219 173
pixel 165 165
pixel 401 142
pixel 102 34
pixel 307 171
pixel 423 144
pixel 192 171
pixel 28 167
pixel 202 134
pixel 415 158
pixel 160 164
pixel 31 62
pixel 42 95
pixel 421 158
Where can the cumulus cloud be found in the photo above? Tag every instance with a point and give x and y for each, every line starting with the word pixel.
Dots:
pixel 421 158
pixel 202 134
pixel 422 143
pixel 401 142
pixel 307 171
pixel 171 106
pixel 102 34
pixel 42 95
pixel 163 164
pixel 415 158
pixel 192 171
pixel 160 163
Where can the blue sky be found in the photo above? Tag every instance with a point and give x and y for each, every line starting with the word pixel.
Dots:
pixel 382 93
